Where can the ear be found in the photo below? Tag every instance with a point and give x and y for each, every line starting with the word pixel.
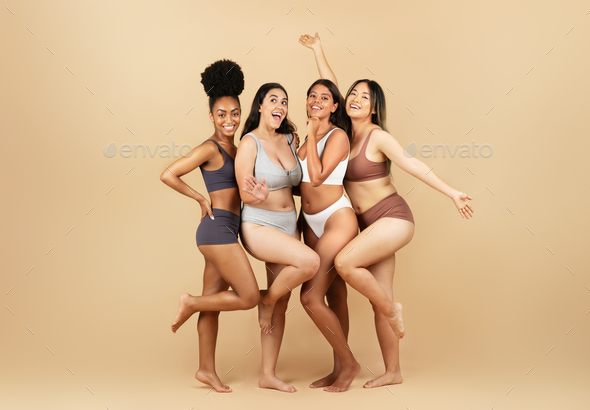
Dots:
pixel 211 117
pixel 335 107
pixel 259 108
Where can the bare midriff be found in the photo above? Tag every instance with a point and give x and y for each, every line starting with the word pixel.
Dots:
pixel 365 194
pixel 316 199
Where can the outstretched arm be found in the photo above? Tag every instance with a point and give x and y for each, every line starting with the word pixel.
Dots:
pixel 323 67
pixel 387 144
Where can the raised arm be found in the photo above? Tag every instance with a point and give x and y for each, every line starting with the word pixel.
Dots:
pixel 389 146
pixel 171 175
pixel 323 67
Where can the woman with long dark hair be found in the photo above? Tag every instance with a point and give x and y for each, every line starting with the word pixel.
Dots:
pixel 267 169
pixel 386 222
pixel 226 263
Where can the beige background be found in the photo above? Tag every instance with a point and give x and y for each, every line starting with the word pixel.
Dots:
pixel 485 299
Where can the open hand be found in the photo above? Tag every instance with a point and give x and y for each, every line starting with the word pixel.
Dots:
pixel 309 41
pixel 258 189
pixel 460 199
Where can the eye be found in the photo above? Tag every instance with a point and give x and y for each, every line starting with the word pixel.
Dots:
pixel 221 115
pixel 325 98
pixel 365 97
pixel 236 114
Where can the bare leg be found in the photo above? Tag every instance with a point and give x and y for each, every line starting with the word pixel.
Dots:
pixel 376 243
pixel 271 342
pixel 276 247
pixel 388 341
pixel 231 263
pixel 207 326
pixel 336 297
pixel 340 228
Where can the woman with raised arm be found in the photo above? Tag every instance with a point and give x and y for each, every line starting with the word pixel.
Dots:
pixel 330 222
pixel 386 222
pixel 267 169
pixel 226 263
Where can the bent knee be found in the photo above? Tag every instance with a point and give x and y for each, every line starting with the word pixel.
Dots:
pixel 343 265
pixel 309 264
pixel 250 300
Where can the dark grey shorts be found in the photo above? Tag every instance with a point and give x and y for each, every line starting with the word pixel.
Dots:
pixel 222 230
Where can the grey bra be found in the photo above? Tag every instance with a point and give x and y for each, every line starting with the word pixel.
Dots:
pixel 275 176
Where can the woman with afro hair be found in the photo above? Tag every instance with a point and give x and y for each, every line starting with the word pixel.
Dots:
pixel 226 263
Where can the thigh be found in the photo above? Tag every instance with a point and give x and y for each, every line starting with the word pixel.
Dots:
pixel 212 280
pixel 231 263
pixel 339 230
pixel 379 241
pixel 272 245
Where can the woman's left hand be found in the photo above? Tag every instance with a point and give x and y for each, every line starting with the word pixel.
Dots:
pixel 460 199
pixel 258 189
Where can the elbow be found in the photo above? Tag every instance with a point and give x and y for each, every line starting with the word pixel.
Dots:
pixel 315 181
pixel 164 176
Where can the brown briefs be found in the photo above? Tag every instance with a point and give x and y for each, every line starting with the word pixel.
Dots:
pixel 394 206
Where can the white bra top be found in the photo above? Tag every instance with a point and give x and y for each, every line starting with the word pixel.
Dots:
pixel 336 177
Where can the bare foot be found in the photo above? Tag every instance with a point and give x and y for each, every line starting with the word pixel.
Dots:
pixel 325 381
pixel 211 379
pixel 384 380
pixel 273 382
pixel 396 321
pixel 184 312
pixel 265 313
pixel 346 376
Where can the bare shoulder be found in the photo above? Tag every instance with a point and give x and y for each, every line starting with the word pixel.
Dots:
pixel 382 137
pixel 247 144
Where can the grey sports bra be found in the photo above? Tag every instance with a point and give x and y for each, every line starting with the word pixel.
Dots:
pixel 275 176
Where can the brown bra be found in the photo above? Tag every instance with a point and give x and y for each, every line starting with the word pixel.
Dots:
pixel 361 169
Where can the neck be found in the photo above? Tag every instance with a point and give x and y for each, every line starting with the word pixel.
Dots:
pixel 325 126
pixel 265 130
pixel 360 126
pixel 222 137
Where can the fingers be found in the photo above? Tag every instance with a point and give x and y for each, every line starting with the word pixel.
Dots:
pixel 210 212
pixel 263 181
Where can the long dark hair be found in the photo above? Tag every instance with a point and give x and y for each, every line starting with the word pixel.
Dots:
pixel 338 117
pixel 253 120
pixel 223 78
pixel 377 98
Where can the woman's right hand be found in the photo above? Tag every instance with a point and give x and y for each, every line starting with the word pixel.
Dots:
pixel 206 209
pixel 309 41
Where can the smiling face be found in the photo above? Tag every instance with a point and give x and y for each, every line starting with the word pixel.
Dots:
pixel 274 107
pixel 358 102
pixel 226 116
pixel 320 102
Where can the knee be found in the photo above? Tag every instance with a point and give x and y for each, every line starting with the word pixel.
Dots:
pixel 310 263
pixel 309 299
pixel 250 299
pixel 343 266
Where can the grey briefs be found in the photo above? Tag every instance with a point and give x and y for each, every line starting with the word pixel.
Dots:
pixel 283 221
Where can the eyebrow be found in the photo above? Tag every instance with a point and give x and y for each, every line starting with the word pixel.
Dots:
pixel 219 109
pixel 364 92
pixel 328 94
pixel 272 95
